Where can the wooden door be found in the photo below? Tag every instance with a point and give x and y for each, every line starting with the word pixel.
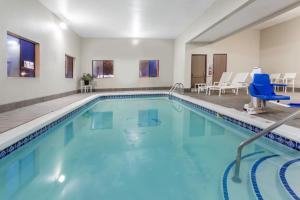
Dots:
pixel 198 69
pixel 219 66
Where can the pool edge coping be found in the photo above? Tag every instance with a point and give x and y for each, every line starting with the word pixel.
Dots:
pixel 240 118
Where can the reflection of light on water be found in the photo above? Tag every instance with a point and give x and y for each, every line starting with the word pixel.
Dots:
pixel 133 136
pixel 61 178
pixel 57 175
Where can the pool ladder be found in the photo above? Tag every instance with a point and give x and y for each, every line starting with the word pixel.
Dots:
pixel 264 132
pixel 179 86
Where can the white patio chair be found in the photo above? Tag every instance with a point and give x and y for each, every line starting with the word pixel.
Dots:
pixel 289 79
pixel 238 82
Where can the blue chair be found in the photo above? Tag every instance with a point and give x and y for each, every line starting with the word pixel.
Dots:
pixel 263 89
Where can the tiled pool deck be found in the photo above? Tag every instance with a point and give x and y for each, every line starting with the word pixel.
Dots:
pixel 12 119
pixel 274 112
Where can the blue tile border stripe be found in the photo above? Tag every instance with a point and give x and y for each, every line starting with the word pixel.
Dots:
pixel 282 140
pixel 282 176
pixel 226 174
pixel 253 175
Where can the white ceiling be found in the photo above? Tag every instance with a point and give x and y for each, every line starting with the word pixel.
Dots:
pixel 291 14
pixel 256 12
pixel 128 18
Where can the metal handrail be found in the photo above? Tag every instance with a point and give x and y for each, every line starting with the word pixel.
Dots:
pixel 175 86
pixel 264 132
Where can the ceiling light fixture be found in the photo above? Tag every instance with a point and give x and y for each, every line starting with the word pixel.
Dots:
pixel 63 25
pixel 12 43
pixel 135 42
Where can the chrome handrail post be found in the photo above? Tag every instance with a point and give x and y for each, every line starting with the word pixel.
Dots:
pixel 174 87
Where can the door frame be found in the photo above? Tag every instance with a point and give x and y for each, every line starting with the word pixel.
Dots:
pixel 214 63
pixel 205 70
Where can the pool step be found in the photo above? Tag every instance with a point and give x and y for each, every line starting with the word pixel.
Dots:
pixel 234 191
pixel 264 178
pixel 272 177
pixel 289 177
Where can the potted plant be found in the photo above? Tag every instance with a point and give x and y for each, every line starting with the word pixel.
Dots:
pixel 87 78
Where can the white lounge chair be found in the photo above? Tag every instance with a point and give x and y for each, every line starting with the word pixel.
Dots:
pixel 239 81
pixel 289 79
pixel 276 78
pixel 225 79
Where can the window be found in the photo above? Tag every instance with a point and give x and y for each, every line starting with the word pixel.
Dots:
pixel 21 57
pixel 69 66
pixel 149 68
pixel 103 68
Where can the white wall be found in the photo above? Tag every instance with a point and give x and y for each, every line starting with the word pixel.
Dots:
pixel 126 58
pixel 33 21
pixel 280 48
pixel 242 51
pixel 216 12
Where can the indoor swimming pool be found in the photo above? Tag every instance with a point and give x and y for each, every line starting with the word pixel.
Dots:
pixel 146 148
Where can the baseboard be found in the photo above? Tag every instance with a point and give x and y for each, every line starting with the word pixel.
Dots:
pixel 20 104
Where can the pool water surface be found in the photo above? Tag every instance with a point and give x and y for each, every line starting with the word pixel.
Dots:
pixel 130 149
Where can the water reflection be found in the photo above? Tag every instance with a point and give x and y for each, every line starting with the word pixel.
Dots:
pixel 20 173
pixel 217 129
pixel 200 125
pixel 102 120
pixel 69 133
pixel 148 118
pixel 197 125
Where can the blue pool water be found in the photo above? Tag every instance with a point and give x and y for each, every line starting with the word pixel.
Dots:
pixel 131 149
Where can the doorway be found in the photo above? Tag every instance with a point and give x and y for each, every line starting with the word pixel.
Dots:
pixel 198 69
pixel 219 66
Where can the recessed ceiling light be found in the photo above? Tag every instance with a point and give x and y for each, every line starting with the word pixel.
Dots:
pixel 63 25
pixel 12 42
pixel 135 42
